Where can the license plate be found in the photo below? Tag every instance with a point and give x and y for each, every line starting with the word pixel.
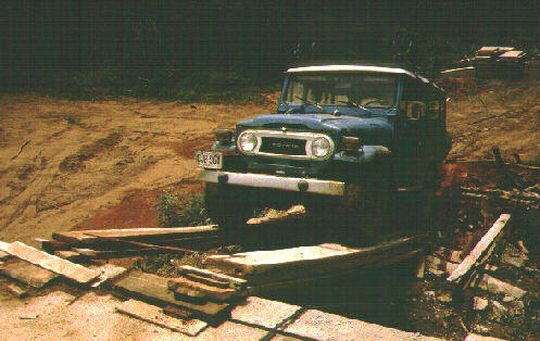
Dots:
pixel 211 160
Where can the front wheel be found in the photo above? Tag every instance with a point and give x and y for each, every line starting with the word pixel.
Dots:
pixel 228 206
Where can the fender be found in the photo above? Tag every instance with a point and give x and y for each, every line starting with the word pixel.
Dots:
pixel 368 154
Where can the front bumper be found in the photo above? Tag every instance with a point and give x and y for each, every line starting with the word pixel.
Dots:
pixel 325 187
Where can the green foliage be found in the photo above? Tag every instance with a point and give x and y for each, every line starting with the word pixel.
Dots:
pixel 175 210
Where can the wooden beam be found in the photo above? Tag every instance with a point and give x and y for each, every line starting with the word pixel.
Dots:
pixel 50 262
pixel 27 273
pixel 86 236
pixel 152 314
pixel 481 252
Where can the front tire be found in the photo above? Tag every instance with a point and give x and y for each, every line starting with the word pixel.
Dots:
pixel 228 206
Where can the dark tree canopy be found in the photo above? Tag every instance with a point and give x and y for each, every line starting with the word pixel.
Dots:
pixel 256 39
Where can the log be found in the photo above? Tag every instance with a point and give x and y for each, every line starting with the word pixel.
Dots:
pixel 52 263
pixel 154 289
pixel 481 252
pixel 294 212
pixel 154 315
pixel 27 273
pixel 90 236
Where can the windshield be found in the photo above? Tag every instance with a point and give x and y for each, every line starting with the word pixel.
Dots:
pixel 364 89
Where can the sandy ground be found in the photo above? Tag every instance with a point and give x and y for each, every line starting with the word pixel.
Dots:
pixel 86 156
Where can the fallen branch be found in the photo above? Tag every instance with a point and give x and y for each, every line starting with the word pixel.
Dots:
pixel 27 141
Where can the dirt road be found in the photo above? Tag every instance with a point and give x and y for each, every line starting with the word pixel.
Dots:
pixel 85 156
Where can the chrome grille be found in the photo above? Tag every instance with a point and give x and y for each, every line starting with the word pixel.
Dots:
pixel 285 144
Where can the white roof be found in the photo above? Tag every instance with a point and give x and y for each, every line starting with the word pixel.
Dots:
pixel 357 68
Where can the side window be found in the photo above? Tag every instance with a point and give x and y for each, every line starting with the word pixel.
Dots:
pixel 413 104
pixel 433 110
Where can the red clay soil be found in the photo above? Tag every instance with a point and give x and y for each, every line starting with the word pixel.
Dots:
pixel 137 210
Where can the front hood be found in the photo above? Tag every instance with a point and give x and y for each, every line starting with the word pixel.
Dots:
pixel 375 130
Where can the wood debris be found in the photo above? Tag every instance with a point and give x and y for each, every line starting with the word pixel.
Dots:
pixel 481 252
pixel 93 236
pixel 294 212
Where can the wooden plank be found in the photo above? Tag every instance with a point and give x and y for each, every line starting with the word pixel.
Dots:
pixel 481 252
pixel 154 289
pixel 233 282
pixel 27 273
pixel 152 314
pixel 301 280
pixel 108 272
pixel 135 234
pixel 107 254
pixel 185 286
pixel 4 255
pixel 308 260
pixel 53 263
pixel 52 245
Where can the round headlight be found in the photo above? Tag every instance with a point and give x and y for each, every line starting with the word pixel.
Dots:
pixel 247 142
pixel 321 147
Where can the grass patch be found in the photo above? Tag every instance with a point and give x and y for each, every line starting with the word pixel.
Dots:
pixel 177 210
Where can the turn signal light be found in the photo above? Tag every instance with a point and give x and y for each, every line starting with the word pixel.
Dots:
pixel 224 136
pixel 351 144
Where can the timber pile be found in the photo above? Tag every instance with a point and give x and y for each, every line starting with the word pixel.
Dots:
pixel 117 243
pixel 269 270
pixel 528 197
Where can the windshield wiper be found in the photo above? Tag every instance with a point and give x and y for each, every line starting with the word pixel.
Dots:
pixel 308 102
pixel 351 103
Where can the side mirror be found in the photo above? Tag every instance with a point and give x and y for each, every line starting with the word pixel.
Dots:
pixel 415 110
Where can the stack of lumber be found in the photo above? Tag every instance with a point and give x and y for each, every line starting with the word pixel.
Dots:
pixel 117 243
pixel 195 293
pixel 268 270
